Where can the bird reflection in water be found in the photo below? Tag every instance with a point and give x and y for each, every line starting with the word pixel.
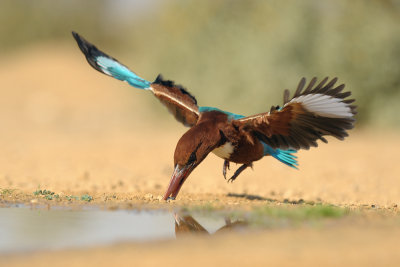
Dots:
pixel 186 225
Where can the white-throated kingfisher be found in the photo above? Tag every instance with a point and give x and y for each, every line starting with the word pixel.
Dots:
pixel 315 110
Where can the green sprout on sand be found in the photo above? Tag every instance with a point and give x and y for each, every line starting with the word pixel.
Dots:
pixel 50 195
pixel 47 194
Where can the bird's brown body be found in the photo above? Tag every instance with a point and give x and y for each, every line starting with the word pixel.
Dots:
pixel 213 129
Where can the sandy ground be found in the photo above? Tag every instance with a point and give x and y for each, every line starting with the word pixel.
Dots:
pixel 68 129
pixel 321 247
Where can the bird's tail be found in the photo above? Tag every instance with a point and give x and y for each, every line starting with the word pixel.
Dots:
pixel 284 156
pixel 109 65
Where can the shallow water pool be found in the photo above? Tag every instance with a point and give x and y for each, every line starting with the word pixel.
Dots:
pixel 26 229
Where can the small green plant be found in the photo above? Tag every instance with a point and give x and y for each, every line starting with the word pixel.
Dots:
pixel 86 197
pixel 50 195
pixel 70 198
pixel 40 192
pixel 47 194
pixel 6 191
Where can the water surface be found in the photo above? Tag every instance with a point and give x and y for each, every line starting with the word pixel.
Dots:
pixel 26 229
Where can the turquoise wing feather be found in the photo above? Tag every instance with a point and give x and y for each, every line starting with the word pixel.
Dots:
pixel 109 65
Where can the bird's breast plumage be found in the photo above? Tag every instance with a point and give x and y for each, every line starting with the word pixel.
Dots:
pixel 224 151
pixel 246 151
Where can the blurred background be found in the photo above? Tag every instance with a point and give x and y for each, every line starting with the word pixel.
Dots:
pixel 236 55
pixel 67 126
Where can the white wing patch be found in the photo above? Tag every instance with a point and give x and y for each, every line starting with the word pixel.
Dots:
pixel 106 63
pixel 174 100
pixel 324 105
pixel 224 151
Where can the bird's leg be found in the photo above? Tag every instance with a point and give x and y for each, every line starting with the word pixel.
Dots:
pixel 226 166
pixel 239 171
pixel 228 221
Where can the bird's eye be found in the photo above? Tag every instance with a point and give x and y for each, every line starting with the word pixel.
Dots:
pixel 192 158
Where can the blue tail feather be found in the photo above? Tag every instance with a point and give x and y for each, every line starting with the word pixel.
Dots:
pixel 284 156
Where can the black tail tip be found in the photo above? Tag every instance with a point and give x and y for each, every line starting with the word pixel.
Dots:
pixel 76 35
pixel 84 45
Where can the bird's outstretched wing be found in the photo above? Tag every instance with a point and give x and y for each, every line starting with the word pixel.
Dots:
pixel 309 115
pixel 176 98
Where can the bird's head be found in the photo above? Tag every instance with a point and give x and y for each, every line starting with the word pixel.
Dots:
pixel 191 150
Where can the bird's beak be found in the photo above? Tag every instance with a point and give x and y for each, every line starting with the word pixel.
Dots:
pixel 178 178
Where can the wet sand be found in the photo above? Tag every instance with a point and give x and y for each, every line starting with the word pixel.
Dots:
pixel 347 246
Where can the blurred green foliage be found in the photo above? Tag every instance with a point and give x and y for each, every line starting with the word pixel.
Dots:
pixel 301 212
pixel 236 55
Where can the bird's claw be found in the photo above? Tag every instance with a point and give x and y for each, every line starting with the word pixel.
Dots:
pixel 238 171
pixel 226 166
pixel 234 176
pixel 230 180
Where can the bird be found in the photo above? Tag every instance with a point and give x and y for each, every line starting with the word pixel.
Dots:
pixel 315 110
pixel 185 225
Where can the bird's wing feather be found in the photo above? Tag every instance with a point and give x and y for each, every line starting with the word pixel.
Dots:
pixel 177 100
pixel 309 115
pixel 109 65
